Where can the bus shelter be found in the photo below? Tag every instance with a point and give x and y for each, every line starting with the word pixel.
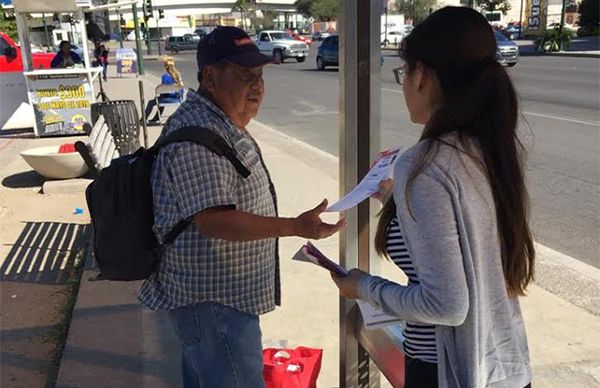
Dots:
pixel 61 98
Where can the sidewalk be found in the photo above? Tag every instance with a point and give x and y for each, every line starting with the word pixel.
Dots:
pixel 114 342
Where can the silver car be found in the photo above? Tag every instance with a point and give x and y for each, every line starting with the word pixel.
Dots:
pixel 507 51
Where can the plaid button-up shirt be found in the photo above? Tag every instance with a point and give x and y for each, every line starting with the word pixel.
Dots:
pixel 188 178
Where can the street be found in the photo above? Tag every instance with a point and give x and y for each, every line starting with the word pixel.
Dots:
pixel 560 126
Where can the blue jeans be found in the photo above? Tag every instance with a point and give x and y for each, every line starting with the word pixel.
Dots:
pixel 221 346
pixel 104 69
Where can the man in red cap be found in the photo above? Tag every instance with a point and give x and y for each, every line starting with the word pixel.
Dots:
pixel 222 271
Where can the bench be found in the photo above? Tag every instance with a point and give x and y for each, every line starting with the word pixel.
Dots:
pixel 100 148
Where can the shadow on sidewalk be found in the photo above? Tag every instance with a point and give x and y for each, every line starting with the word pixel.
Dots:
pixel 23 180
pixel 44 253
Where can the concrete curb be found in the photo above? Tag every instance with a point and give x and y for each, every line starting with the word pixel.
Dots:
pixel 69 186
pixel 564 54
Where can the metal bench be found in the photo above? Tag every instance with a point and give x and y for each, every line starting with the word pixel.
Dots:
pixel 100 148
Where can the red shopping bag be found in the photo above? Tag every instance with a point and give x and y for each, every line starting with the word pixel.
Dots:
pixel 300 370
pixel 66 148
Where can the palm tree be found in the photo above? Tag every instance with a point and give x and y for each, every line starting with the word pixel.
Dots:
pixel 242 7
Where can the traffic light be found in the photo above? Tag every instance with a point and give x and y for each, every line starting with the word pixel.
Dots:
pixel 161 13
pixel 148 9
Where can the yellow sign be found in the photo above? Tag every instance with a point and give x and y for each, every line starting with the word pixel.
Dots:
pixel 535 16
pixel 61 103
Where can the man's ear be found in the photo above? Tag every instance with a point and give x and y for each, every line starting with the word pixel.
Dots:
pixel 208 79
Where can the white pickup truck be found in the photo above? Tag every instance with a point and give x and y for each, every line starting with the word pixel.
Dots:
pixel 281 45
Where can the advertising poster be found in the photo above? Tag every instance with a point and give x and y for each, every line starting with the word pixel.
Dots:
pixel 61 102
pixel 126 61
pixel 536 12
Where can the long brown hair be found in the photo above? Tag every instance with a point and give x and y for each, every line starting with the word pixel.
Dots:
pixel 479 103
pixel 173 72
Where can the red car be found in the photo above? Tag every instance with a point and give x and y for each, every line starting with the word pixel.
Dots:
pixel 301 38
pixel 10 57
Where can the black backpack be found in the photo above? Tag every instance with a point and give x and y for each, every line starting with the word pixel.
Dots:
pixel 120 205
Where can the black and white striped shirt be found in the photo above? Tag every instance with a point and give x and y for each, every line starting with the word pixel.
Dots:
pixel 419 338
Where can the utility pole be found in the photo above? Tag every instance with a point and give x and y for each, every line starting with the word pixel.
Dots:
pixel 120 31
pixel 562 23
pixel 158 29
pixel 385 40
pixel 138 44
pixel 521 21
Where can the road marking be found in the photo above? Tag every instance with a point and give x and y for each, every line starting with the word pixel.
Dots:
pixel 591 123
pixel 552 117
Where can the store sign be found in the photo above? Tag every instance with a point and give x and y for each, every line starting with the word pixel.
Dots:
pixel 126 61
pixel 535 16
pixel 61 103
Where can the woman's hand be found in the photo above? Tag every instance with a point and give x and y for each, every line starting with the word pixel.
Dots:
pixel 385 189
pixel 348 285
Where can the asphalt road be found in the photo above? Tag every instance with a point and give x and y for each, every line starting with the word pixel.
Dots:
pixel 560 125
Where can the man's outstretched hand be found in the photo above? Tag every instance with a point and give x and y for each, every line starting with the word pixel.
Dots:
pixel 309 224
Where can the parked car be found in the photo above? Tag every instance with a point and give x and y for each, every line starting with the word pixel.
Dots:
pixel 195 37
pixel 301 38
pixel 200 33
pixel 13 90
pixel 568 26
pixel 321 35
pixel 329 53
pixel 282 46
pixel 507 51
pixel 393 37
pixel 175 44
pixel 11 60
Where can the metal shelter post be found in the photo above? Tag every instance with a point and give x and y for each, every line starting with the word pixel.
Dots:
pixel 360 96
pixel 23 28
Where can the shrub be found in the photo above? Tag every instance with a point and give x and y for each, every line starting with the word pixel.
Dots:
pixel 553 40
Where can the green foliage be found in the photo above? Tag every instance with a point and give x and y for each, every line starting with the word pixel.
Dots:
pixel 241 6
pixel 324 10
pixel 553 40
pixel 417 10
pixel 590 13
pixel 495 5
pixel 9 25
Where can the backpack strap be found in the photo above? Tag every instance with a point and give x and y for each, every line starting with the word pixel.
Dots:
pixel 206 138
pixel 209 139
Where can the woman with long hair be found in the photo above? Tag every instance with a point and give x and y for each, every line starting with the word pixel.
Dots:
pixel 171 76
pixel 457 222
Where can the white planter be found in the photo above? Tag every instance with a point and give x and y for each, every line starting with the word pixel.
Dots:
pixel 47 162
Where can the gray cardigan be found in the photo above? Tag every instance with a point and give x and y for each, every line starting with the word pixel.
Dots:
pixel 454 245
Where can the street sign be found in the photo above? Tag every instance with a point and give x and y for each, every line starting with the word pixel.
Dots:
pixel 126 61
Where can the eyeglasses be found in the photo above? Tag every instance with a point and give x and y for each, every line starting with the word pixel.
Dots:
pixel 399 74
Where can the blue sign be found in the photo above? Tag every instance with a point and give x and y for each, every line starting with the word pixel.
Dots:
pixel 126 61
